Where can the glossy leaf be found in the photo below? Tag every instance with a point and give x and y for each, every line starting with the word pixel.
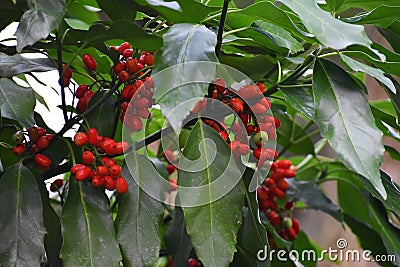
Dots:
pixel 392 35
pixel 335 4
pixel 183 43
pixel 313 197
pixel 268 12
pixel 249 65
pixel 345 119
pixel 382 16
pixel 376 73
pixel 139 217
pixel 22 231
pixel 212 227
pixel 301 99
pixel 17 102
pixel 119 9
pixel 329 31
pixel 394 154
pixel 181 11
pixel 177 240
pixel 368 4
pixel 104 114
pixel 278 35
pixel 38 21
pixel 87 227
pixel 16 64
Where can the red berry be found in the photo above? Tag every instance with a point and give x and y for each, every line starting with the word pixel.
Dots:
pixel 277 122
pixel 278 192
pixel 83 173
pixel 291 233
pixel 282 184
pixel 289 173
pixel 109 183
pixel 258 109
pixel 237 105
pixel 141 103
pixel 224 135
pixel 127 53
pixel 101 170
pixel 274 218
pixel 262 193
pixel 57 184
pixel 296 225
pixel 283 164
pixel 168 155
pixel 97 180
pixel 261 86
pixel 18 149
pixel 115 170
pixel 170 168
pixel 68 72
pixel 220 85
pixel 269 182
pixel 149 59
pixel 108 162
pixel 123 47
pixel 123 76
pixel 120 66
pixel 76 167
pixel 193 263
pixel 122 147
pixel 170 263
pixel 42 161
pixel 132 65
pixel 289 205
pixel 92 136
pixel 249 91
pixel 80 139
pixel 81 90
pixel 89 61
pixel 121 185
pixel 144 113
pixel 133 122
pixel 43 142
pixel 88 157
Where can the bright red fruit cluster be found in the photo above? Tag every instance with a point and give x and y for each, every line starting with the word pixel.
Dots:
pixel 38 139
pixel 251 108
pixel 97 165
pixel 274 187
pixel 137 95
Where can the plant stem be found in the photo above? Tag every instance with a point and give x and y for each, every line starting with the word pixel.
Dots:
pixel 61 73
pixel 221 27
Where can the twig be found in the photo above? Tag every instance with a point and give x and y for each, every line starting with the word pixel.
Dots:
pixel 221 27
pixel 61 73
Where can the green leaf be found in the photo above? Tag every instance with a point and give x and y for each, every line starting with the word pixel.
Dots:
pixel 38 21
pixel 177 240
pixel 139 217
pixel 87 227
pixel 394 154
pixel 301 99
pixel 313 197
pixel 52 223
pixel 329 31
pixel 303 243
pixel 119 9
pixel 368 4
pixel 265 11
pixel 103 117
pixel 249 65
pixel 183 43
pixel 376 73
pixel 252 235
pixel 278 35
pixel 22 231
pixel 17 102
pixel 343 115
pixel 334 5
pixel 16 64
pixel 392 35
pixel 367 237
pixel 212 227
pixel 160 3
pixel 382 16
pixel 189 11
pixel 79 16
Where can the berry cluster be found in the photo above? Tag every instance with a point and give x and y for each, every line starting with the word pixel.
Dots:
pixel 251 108
pixel 137 95
pixel 274 187
pixel 191 263
pixel 38 140
pixel 97 165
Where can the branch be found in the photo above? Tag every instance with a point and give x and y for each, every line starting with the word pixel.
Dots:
pixel 61 73
pixel 221 27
